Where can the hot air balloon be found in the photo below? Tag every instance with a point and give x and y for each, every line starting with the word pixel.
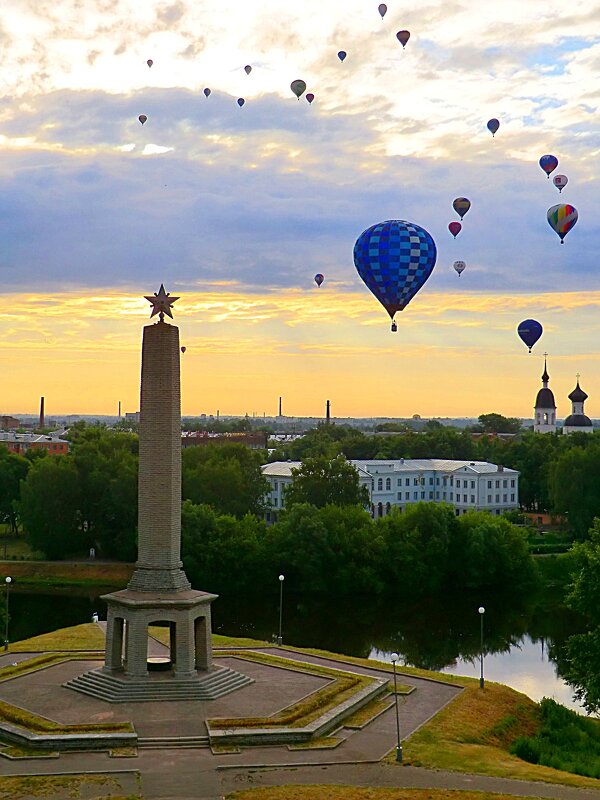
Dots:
pixel 403 37
pixel 149 62
pixel 310 97
pixel 461 205
pixel 382 10
pixel 142 118
pixel 459 266
pixel 240 101
pixel 530 331
pixel 342 55
pixel 561 219
pixel 394 259
pixel 455 228
pixel 298 88
pixel 493 125
pixel 207 92
pixel 560 181
pixel 548 164
pixel 319 278
pixel 247 69
pixel 183 349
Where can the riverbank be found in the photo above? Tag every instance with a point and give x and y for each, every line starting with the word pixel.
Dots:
pixel 67 573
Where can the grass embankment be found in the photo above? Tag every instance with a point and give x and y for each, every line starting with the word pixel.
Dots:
pixel 474 733
pixel 88 636
pixel 359 793
pixel 57 787
pixel 566 741
pixel 66 573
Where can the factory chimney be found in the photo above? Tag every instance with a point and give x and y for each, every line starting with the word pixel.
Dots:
pixel 42 416
pixel 280 407
pixel 328 413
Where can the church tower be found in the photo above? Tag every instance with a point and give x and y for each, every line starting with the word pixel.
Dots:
pixel 577 421
pixel 545 407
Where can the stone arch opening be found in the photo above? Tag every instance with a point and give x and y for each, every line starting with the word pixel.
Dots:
pixel 156 658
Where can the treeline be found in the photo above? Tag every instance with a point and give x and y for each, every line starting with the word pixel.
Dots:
pixel 559 474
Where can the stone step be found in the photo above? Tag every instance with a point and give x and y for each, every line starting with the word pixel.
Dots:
pixel 160 742
pixel 113 689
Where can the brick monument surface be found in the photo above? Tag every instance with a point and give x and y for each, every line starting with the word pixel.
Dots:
pixel 159 591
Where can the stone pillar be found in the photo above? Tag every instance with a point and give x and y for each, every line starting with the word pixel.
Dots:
pixel 184 666
pixel 137 647
pixel 158 567
pixel 203 642
pixel 113 654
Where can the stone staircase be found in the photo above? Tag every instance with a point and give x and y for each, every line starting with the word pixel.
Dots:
pixel 159 687
pixel 162 742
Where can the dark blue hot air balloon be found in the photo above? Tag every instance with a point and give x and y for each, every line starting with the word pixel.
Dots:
pixel 530 331
pixel 394 259
pixel 548 163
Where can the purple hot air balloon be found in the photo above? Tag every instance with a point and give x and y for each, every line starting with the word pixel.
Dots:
pixel 310 97
pixel 319 279
pixel 382 10
pixel 149 62
pixel 530 331
pixel 403 37
pixel 548 164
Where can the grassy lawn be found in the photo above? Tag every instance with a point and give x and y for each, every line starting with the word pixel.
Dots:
pixel 88 636
pixel 474 733
pixel 67 573
pixel 58 787
pixel 16 548
pixel 359 793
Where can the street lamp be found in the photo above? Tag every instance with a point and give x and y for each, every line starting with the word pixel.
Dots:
pixel 8 581
pixel 281 580
pixel 395 658
pixel 481 610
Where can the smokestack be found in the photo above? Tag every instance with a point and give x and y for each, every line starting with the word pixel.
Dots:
pixel 42 416
pixel 119 409
pixel 217 413
pixel 280 407
pixel 328 412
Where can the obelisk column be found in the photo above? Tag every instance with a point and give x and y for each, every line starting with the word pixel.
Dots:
pixel 159 565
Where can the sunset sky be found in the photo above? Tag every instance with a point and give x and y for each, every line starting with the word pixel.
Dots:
pixel 236 209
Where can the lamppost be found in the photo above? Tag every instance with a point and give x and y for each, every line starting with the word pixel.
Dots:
pixel 280 637
pixel 8 581
pixel 481 610
pixel 395 658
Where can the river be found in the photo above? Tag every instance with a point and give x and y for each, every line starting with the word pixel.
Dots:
pixel 439 634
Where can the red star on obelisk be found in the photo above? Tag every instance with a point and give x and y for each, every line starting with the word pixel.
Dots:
pixel 161 303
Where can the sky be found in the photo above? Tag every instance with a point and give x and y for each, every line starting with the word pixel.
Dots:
pixel 236 209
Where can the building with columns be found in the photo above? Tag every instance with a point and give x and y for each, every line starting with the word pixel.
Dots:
pixel 577 421
pixel 545 407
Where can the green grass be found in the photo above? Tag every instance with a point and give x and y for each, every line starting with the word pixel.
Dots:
pixel 36 724
pixel 58 787
pixel 565 741
pixel 16 548
pixel 368 713
pixel 88 636
pixel 474 733
pixel 359 793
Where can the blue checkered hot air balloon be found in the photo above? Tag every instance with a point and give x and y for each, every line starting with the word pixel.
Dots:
pixel 394 259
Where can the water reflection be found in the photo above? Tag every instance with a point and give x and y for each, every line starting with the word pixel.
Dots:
pixel 439 633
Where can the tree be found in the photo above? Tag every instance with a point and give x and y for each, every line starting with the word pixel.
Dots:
pixel 575 486
pixel 333 549
pixel 496 423
pixel 580 664
pixel 49 508
pixel 13 469
pixel 227 477
pixel 325 481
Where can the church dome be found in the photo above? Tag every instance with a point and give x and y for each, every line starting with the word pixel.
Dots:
pixel 545 399
pixel 578 395
pixel 578 421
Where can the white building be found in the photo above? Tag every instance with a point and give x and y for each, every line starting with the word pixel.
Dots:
pixel 467 485
pixel 577 421
pixel 545 407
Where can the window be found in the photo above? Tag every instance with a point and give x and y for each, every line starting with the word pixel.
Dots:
pixel 504 484
pixel 512 484
pixel 464 498
pixel 489 484
pixel 388 484
pixel 422 495
pixel 388 508
pixel 452 482
pixel 504 498
pixel 472 484
pixel 431 481
pixel 457 483
pixel 399 481
pixel 407 482
pixel 497 484
pixel 399 495
pixel 512 498
pixel 489 499
pixel 452 496
pixel 415 481
pixel 416 495
pixel 408 495
pixel 437 481
pixel 497 498
pixel 437 495
pixel 380 509
pixel 276 501
pixel 473 498
pixel 379 485
pixel 443 495
pixel 431 495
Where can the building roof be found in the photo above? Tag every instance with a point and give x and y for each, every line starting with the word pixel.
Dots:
pixel 578 421
pixel 29 438
pixel 578 395
pixel 545 399
pixel 283 469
